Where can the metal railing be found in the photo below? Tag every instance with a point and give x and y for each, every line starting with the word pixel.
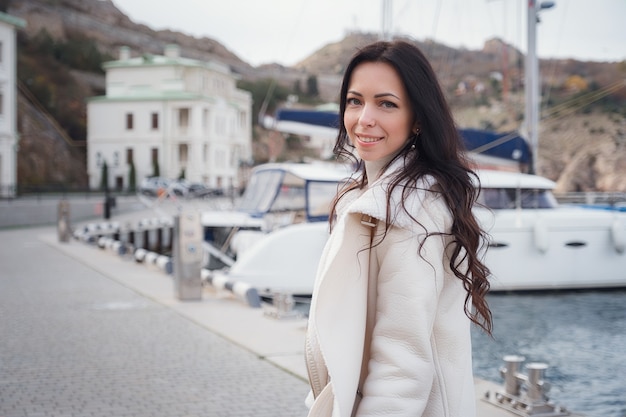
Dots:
pixel 592 197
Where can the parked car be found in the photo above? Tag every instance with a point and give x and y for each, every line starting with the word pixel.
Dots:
pixel 197 189
pixel 157 186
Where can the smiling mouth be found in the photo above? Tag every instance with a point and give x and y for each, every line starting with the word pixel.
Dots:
pixel 368 140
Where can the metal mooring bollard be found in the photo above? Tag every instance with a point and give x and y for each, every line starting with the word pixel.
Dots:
pixel 525 394
pixel 63 221
pixel 187 256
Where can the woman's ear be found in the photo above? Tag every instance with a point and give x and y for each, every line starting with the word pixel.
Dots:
pixel 416 127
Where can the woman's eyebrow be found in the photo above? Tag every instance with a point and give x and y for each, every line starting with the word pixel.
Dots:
pixel 385 95
pixel 379 95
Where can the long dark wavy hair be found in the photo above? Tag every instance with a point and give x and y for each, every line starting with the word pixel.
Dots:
pixel 438 152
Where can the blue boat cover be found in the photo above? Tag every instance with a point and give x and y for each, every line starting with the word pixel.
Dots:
pixel 311 117
pixel 510 146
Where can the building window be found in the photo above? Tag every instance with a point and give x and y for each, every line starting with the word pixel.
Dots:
pixel 183 117
pixel 205 119
pixel 1 103
pixel 119 183
pixel 205 153
pixel 155 121
pixel 1 52
pixel 219 85
pixel 155 155
pixel 129 156
pixel 129 121
pixel 220 158
pixel 183 153
pixel 220 126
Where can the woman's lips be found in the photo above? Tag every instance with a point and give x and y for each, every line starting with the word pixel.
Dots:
pixel 368 139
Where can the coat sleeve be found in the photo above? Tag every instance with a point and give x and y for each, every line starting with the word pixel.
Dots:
pixel 403 362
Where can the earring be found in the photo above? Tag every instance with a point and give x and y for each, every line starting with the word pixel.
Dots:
pixel 416 133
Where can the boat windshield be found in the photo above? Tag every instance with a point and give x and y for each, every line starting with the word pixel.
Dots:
pixel 261 191
pixel 278 191
pixel 510 198
pixel 321 195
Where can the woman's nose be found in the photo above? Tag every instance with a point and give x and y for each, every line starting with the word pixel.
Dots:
pixel 366 118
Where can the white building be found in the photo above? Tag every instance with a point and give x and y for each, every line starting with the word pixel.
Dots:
pixel 185 115
pixel 8 104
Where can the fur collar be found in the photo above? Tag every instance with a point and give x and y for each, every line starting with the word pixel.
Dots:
pixel 373 200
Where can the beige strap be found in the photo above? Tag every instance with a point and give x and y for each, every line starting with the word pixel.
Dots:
pixel 372 223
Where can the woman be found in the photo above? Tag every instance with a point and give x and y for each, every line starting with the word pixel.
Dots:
pixel 400 278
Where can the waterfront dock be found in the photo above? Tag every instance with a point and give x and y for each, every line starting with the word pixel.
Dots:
pixel 86 332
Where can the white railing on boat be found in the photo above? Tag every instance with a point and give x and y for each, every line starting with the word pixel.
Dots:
pixel 591 197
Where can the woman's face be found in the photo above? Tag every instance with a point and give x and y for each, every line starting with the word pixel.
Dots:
pixel 378 116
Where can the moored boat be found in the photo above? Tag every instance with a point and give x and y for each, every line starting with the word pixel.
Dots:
pixel 277 195
pixel 533 243
pixel 537 244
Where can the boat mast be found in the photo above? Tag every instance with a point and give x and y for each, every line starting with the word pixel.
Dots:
pixel 386 20
pixel 532 89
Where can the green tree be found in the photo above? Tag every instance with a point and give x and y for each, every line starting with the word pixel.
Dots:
pixel 81 53
pixel 311 86
pixel 156 171
pixel 42 43
pixel 132 178
pixel 266 93
pixel 297 87
pixel 104 177
pixel 44 68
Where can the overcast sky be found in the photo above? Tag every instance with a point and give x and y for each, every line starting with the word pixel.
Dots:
pixel 286 31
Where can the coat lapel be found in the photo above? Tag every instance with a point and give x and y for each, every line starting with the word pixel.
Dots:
pixel 340 307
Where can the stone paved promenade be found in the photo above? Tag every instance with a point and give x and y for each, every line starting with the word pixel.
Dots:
pixel 86 334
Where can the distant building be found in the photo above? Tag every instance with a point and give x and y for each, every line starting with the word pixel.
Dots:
pixel 8 104
pixel 170 116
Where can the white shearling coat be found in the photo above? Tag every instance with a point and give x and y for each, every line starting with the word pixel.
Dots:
pixel 420 361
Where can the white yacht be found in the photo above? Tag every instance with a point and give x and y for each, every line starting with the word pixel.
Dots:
pixel 533 243
pixel 277 195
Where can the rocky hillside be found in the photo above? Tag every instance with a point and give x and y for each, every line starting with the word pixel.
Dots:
pixel 101 21
pixel 583 129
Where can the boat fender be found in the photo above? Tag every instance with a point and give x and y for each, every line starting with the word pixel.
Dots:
pixel 165 263
pixel 119 247
pixel 241 289
pixel 219 282
pixel 151 258
pixel 618 235
pixel 541 236
pixel 140 254
pixel 248 293
pixel 102 242
pixel 206 275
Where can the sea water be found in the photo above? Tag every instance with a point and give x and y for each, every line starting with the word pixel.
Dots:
pixel 580 335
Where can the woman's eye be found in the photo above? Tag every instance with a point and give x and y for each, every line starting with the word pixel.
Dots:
pixel 388 104
pixel 353 101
